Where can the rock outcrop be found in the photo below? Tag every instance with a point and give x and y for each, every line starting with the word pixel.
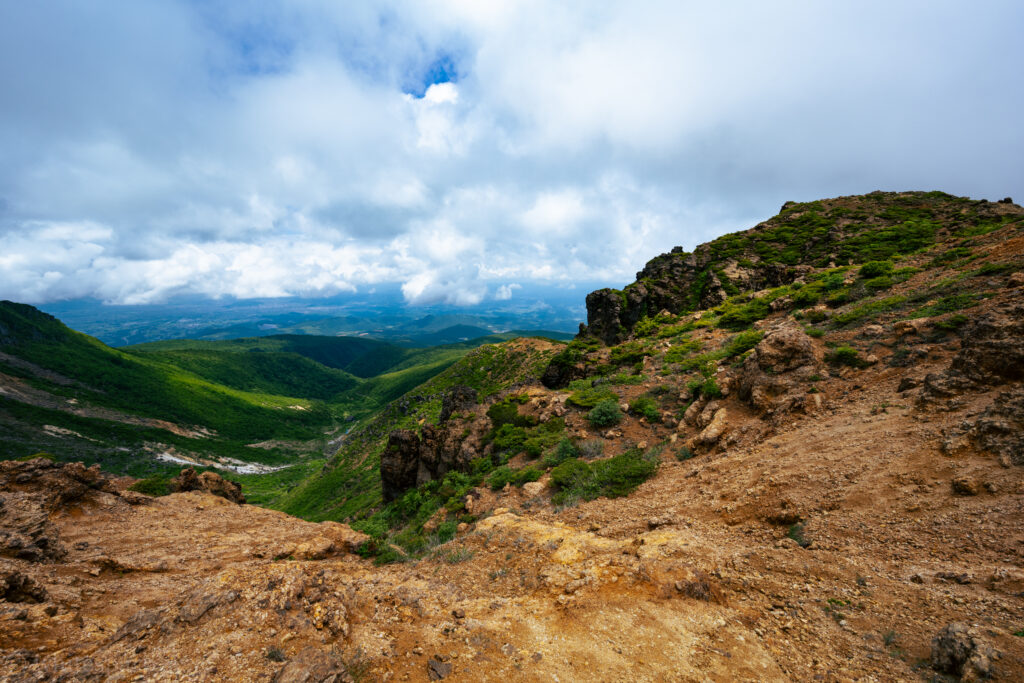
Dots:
pixel 677 282
pixel 775 376
pixel 30 492
pixel 211 482
pixel 458 399
pixel 991 353
pixel 1000 429
pixel 411 459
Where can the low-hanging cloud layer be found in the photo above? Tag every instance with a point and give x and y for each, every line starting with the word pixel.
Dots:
pixel 459 147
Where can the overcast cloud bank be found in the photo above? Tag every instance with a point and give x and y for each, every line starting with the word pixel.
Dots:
pixel 459 147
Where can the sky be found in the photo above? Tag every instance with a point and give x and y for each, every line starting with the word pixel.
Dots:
pixel 462 148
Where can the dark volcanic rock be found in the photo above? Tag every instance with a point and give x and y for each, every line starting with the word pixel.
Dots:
pixel 17 587
pixel 677 282
pixel 991 353
pixel 961 651
pixel 993 347
pixel 410 459
pixel 458 399
pixel 1000 429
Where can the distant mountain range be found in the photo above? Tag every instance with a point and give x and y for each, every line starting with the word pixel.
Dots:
pixel 381 315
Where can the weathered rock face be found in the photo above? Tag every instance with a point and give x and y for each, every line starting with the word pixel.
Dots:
pixel 993 347
pixel 991 353
pixel 676 282
pixel 410 459
pixel 31 491
pixel 17 587
pixel 1000 429
pixel 458 399
pixel 211 482
pixel 774 376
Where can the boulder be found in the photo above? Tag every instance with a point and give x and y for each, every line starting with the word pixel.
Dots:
pixel 992 350
pixel 714 431
pixel 210 482
pixel 313 665
pixel 775 375
pixel 345 538
pixel 1000 429
pixel 316 548
pixel 961 651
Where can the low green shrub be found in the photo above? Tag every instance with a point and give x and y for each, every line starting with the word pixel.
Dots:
pixel 591 396
pixel 996 269
pixel 613 478
pixel 629 353
pixel 744 341
pixel 845 355
pixel 646 407
pixel 445 531
pixel 868 309
pixel 948 304
pixel 152 486
pixel 880 282
pixel 41 454
pixel 682 349
pixel 706 386
pixel 509 438
pixel 952 323
pixel 565 450
pixel 605 414
pixel 873 269
pixel 742 317
pixel 506 412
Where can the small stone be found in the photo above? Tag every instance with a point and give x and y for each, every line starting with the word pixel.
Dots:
pixel 459 613
pixel 437 669
pixel 965 486
pixel 655 522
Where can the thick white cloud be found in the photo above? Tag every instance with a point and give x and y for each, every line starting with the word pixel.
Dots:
pixel 300 147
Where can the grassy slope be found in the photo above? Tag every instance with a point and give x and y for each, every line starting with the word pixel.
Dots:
pixel 349 487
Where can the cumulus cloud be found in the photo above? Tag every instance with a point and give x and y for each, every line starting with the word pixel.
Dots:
pixel 454 147
pixel 504 292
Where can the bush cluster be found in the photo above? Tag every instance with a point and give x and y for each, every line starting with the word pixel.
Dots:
pixel 605 414
pixel 613 478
